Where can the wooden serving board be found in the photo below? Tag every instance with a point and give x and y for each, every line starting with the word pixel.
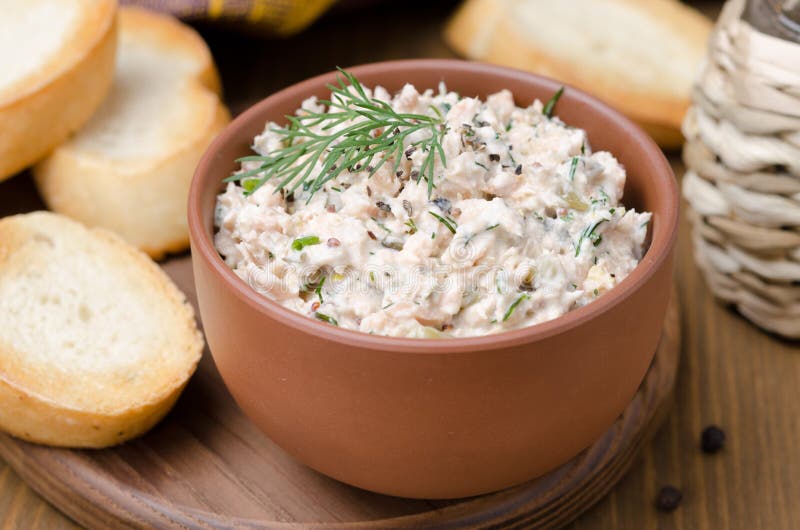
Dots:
pixel 207 466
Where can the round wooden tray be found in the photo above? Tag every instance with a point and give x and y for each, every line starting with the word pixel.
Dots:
pixel 206 466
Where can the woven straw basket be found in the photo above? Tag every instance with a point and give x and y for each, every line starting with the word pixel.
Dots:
pixel 743 178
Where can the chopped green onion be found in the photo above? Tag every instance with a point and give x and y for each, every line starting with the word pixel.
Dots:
pixel 448 223
pixel 301 242
pixel 551 104
pixel 513 306
pixel 573 167
pixel 589 232
pixel 325 318
pixel 318 290
pixel 381 225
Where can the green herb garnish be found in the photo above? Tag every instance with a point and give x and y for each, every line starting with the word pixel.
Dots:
pixel 590 233
pixel 573 167
pixel 381 225
pixel 448 223
pixel 551 104
pixel 318 290
pixel 325 318
pixel 513 306
pixel 412 226
pixel 302 242
pixel 377 134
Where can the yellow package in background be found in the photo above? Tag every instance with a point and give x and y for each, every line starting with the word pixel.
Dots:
pixel 271 17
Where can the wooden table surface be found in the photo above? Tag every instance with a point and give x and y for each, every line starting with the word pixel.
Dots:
pixel 732 374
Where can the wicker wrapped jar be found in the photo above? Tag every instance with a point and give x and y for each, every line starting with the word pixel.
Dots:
pixel 743 159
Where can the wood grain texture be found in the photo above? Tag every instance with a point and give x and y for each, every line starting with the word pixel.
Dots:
pixel 731 374
pixel 206 466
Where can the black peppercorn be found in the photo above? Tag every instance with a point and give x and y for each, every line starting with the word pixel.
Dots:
pixel 668 498
pixel 713 439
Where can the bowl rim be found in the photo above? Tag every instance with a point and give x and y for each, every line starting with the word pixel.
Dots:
pixel 664 233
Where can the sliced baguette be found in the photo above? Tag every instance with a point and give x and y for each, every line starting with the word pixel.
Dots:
pixel 96 343
pixel 129 169
pixel 639 56
pixel 57 63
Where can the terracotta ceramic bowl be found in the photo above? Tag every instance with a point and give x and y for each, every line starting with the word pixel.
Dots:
pixel 449 417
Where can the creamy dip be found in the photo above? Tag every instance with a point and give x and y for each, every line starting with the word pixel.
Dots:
pixel 524 224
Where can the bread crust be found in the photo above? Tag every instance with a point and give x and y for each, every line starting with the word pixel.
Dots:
pixel 44 109
pixel 144 202
pixel 658 112
pixel 44 416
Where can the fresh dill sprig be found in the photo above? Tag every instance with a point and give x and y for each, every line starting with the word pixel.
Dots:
pixel 355 131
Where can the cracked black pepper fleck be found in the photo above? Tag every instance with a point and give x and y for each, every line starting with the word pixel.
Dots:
pixel 668 498
pixel 712 439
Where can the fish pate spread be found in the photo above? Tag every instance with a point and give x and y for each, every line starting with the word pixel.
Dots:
pixel 521 224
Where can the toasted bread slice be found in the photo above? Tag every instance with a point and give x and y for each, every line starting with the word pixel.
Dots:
pixel 640 57
pixel 128 170
pixel 57 65
pixel 96 343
